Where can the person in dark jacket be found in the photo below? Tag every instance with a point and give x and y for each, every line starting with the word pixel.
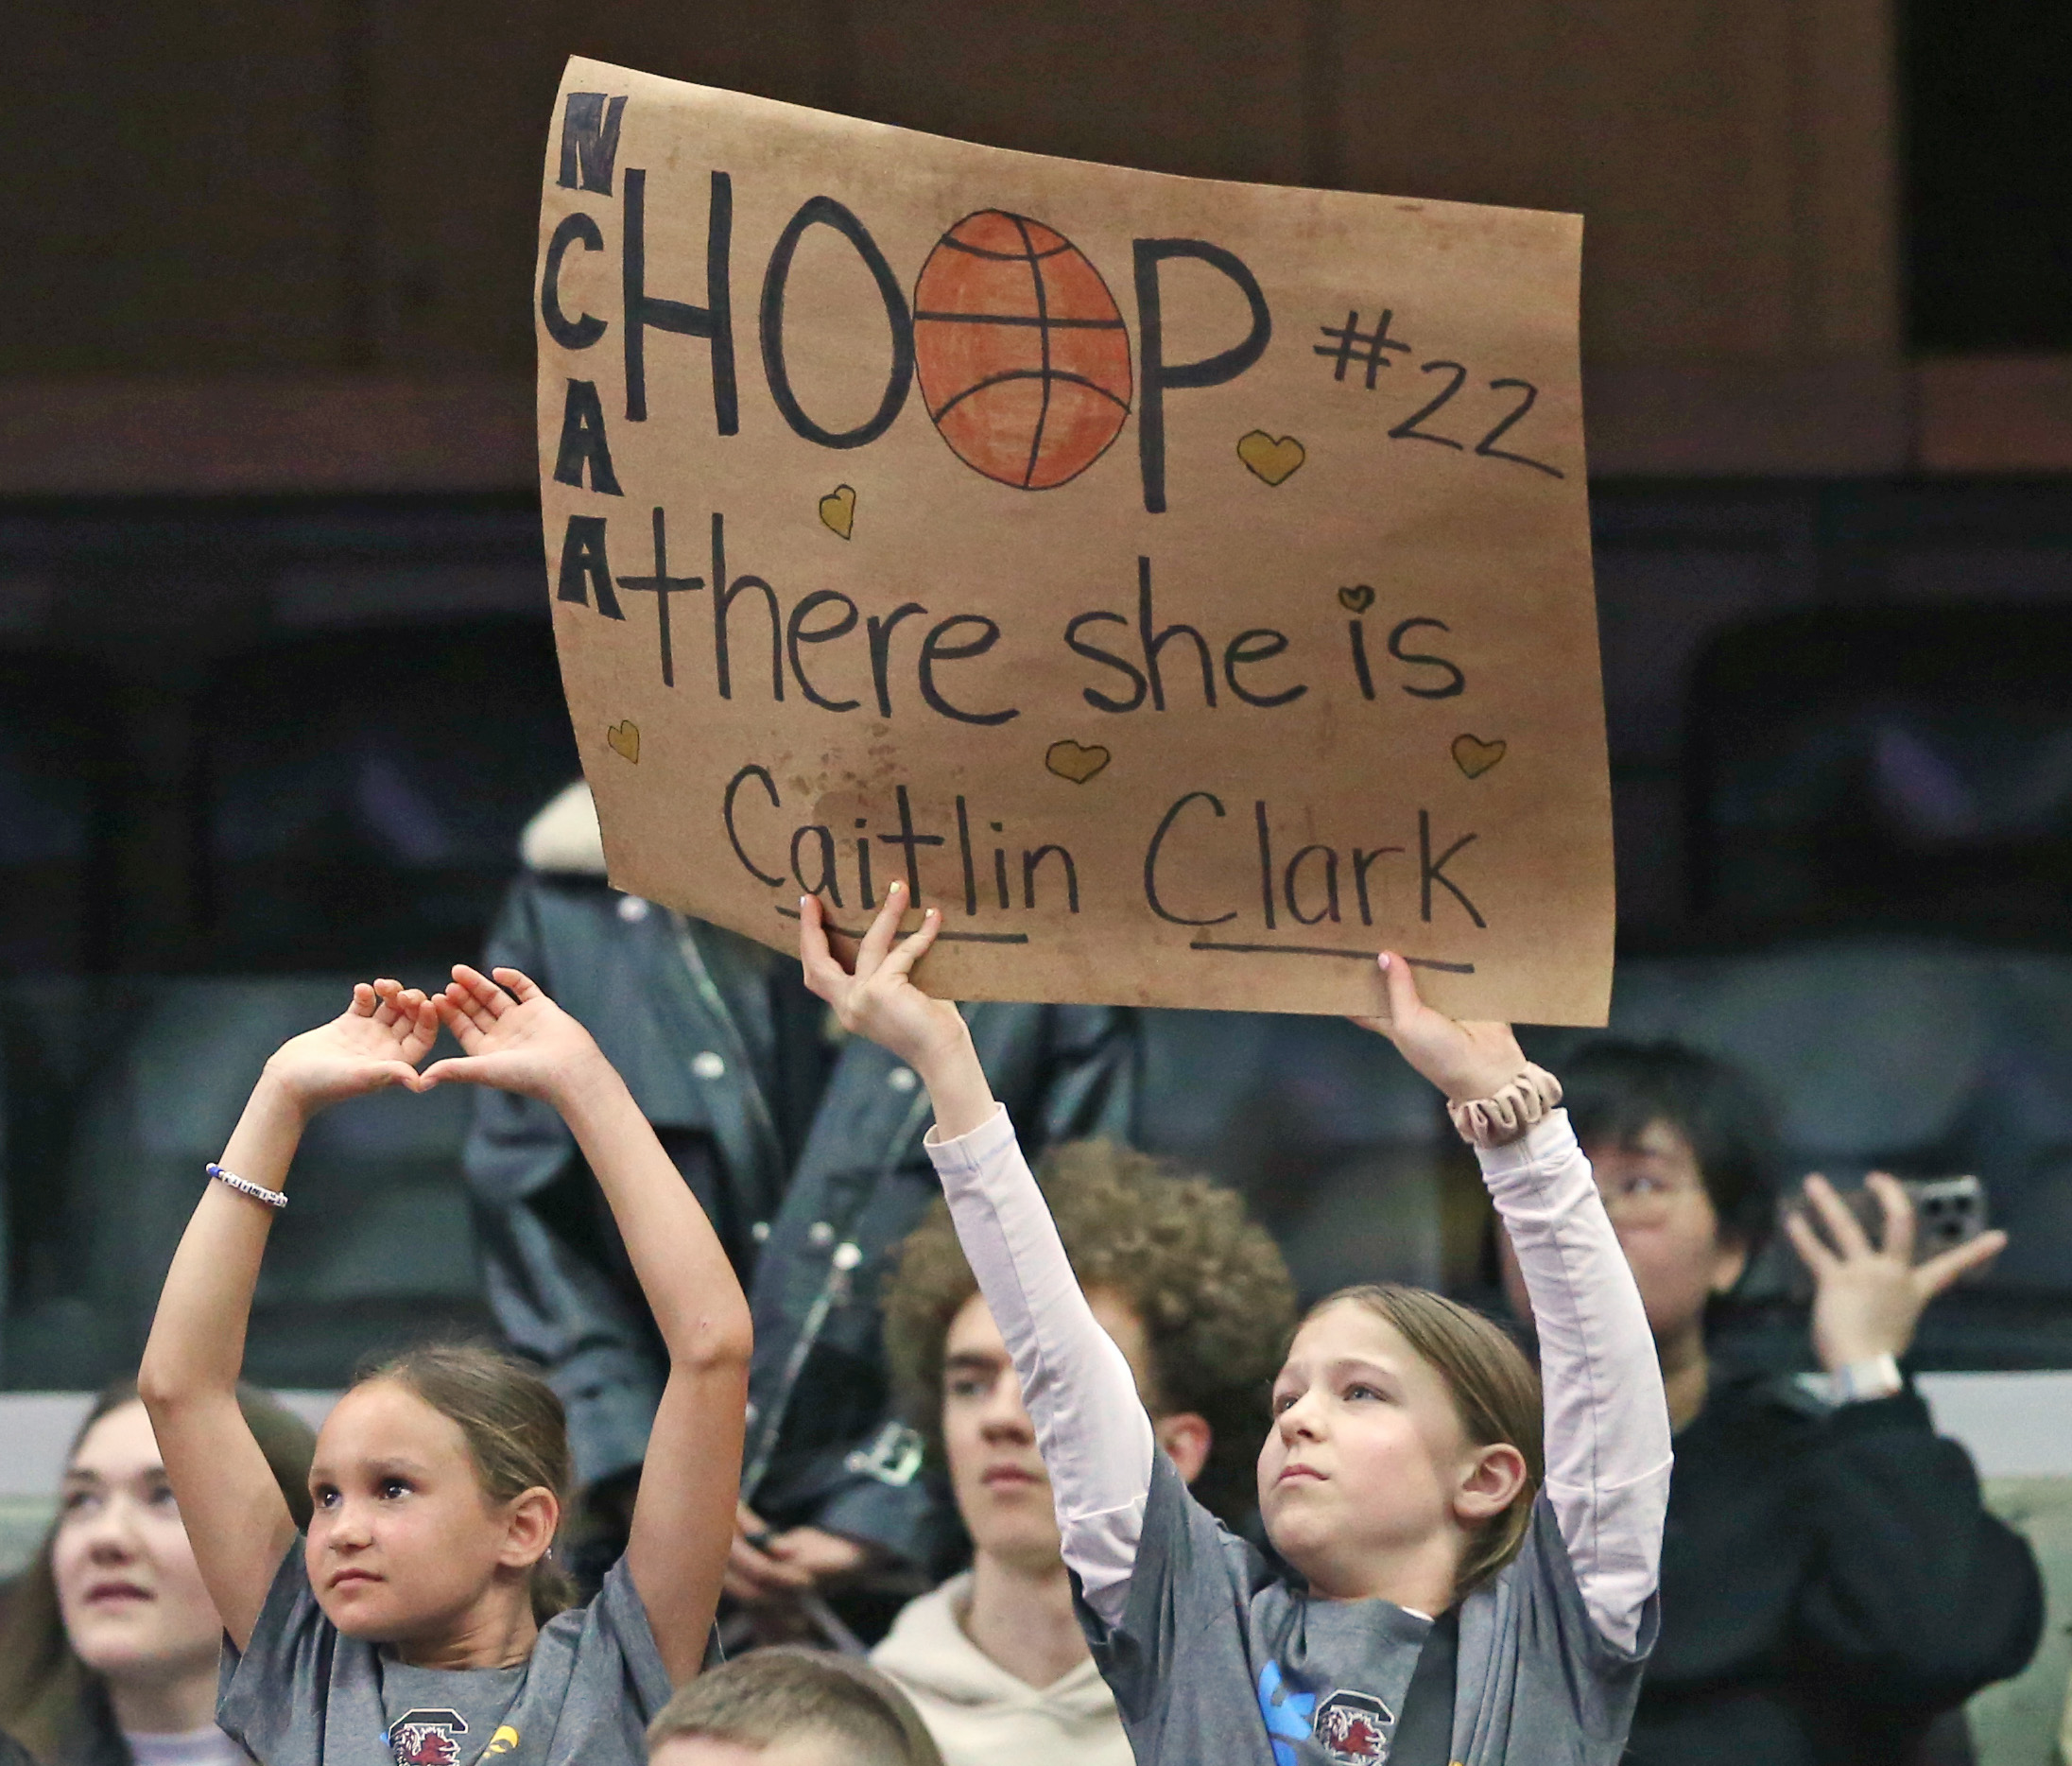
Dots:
pixel 807 1157
pixel 1831 1579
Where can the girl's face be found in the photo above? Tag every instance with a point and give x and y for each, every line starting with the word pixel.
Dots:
pixel 1368 1464
pixel 128 1591
pixel 403 1544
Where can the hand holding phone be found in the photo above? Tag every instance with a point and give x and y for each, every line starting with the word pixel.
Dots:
pixel 1873 1277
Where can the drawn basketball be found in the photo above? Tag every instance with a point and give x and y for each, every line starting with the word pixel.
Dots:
pixel 1022 352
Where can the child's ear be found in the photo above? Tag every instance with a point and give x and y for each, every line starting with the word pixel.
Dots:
pixel 529 1525
pixel 1490 1484
pixel 1186 1438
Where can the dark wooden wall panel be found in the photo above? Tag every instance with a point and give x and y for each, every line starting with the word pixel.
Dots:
pixel 351 186
pixel 1733 162
pixel 176 196
pixel 461 102
pixel 1214 88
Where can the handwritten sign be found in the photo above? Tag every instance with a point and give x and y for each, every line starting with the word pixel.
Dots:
pixel 1184 585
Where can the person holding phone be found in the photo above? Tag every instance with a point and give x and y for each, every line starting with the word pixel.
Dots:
pixel 1831 1579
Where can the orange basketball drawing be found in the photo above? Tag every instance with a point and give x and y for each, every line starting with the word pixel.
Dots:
pixel 1022 352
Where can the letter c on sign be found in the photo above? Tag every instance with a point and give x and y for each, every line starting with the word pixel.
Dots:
pixel 1150 863
pixel 571 334
pixel 751 772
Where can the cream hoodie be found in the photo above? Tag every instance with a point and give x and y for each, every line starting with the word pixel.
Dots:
pixel 981 1715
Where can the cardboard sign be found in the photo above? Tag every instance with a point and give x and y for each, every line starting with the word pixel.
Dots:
pixel 1184 585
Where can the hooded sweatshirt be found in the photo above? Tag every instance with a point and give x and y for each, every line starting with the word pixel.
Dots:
pixel 981 1715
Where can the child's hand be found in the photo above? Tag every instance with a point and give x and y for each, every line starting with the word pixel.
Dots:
pixel 376 1042
pixel 1464 1061
pixel 516 1040
pixel 880 1000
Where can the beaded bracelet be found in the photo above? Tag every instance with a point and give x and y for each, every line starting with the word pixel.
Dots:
pixel 245 1186
pixel 1498 1120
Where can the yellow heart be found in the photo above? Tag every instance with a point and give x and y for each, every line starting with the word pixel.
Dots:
pixel 1474 757
pixel 839 510
pixel 1273 461
pixel 1069 760
pixel 624 737
pixel 1357 598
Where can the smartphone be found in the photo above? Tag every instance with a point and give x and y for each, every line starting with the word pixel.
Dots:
pixel 1948 1212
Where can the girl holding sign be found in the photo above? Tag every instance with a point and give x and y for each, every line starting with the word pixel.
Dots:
pixel 420 1621
pixel 1462 1583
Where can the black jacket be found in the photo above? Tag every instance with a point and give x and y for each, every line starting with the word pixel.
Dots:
pixel 809 1189
pixel 1831 1580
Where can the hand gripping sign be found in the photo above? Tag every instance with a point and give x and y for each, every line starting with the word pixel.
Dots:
pixel 1185 586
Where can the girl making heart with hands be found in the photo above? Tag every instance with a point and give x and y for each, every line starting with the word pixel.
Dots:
pixel 423 1617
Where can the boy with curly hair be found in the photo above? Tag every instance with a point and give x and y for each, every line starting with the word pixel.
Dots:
pixel 1199 1302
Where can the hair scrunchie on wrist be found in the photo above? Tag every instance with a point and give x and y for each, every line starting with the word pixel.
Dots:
pixel 1504 1116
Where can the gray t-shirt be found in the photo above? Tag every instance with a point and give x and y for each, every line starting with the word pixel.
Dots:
pixel 1219 1662
pixel 302 1693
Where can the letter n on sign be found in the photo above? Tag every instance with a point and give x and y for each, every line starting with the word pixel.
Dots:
pixel 590 141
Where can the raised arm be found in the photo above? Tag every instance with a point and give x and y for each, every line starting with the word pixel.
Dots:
pixel 1091 1428
pixel 515 1038
pixel 1607 1428
pixel 1607 1423
pixel 232 1507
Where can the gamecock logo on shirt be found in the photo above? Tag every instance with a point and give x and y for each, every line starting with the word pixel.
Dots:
pixel 1354 1728
pixel 427 1738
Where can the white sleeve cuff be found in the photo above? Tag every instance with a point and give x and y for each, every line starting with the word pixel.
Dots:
pixel 1542 1149
pixel 967 1154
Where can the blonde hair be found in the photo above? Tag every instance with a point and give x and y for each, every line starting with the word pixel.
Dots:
pixel 516 1428
pixel 757 1701
pixel 1495 1394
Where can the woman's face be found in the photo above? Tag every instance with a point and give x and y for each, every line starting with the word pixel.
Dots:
pixel 127 1587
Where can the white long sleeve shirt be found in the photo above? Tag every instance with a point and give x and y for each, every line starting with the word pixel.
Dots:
pixel 1607 1425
